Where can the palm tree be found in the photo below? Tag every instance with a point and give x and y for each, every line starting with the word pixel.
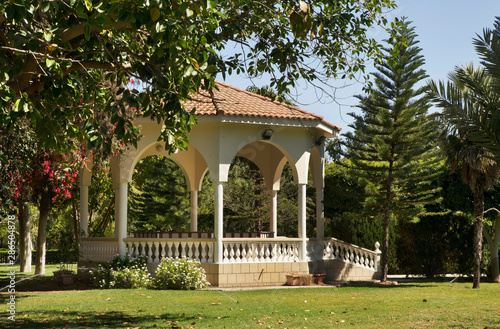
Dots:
pixel 469 95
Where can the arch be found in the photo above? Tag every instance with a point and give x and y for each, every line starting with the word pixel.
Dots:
pixel 190 161
pixel 270 159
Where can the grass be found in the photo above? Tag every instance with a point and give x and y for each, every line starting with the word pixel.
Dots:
pixel 33 282
pixel 429 304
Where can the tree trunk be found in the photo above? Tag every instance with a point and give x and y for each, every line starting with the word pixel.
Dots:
pixel 478 232
pixel 44 208
pixel 24 237
pixel 385 247
pixel 494 244
pixel 76 224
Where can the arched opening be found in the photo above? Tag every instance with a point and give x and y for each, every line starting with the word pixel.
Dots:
pixel 246 198
pixel 158 198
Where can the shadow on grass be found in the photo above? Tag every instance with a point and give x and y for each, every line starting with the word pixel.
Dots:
pixel 115 319
pixel 410 282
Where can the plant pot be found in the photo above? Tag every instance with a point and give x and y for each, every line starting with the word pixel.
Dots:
pixel 58 275
pixel 68 279
pixel 292 280
pixel 319 278
pixel 298 279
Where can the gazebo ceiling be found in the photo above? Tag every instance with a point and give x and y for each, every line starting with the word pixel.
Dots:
pixel 235 102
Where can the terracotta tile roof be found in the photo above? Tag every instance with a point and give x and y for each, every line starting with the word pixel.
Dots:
pixel 232 101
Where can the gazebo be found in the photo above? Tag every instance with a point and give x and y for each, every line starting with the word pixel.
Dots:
pixel 234 122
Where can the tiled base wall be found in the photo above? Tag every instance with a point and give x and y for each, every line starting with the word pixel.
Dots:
pixel 248 274
pixel 337 270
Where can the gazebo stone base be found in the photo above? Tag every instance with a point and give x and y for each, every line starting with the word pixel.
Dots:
pixel 249 274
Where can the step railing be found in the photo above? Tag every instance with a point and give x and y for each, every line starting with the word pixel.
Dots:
pixel 331 248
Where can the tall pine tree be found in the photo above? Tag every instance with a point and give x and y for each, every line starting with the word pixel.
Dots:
pixel 393 149
pixel 159 200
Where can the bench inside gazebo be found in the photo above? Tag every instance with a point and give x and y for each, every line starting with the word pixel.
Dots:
pixel 231 123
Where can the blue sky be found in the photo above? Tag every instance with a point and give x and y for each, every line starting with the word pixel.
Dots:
pixel 445 30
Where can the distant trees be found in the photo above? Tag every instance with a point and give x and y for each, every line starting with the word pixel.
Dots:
pixel 159 199
pixel 393 147
pixel 470 101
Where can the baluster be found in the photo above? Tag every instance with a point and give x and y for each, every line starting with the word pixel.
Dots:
pixel 140 249
pixel 226 252
pixel 279 252
pixel 251 254
pixel 166 249
pixel 154 251
pixel 178 252
pixel 238 252
pixel 192 251
pixel 259 253
pixel 149 252
pixel 266 253
pixel 183 249
pixel 161 250
pixel 231 252
pixel 273 246
pixel 200 249
pixel 210 254
pixel 244 247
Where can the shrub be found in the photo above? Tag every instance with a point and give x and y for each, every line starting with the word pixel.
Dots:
pixel 123 273
pixel 180 274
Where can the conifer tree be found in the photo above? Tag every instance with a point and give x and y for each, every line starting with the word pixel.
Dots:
pixel 159 200
pixel 393 149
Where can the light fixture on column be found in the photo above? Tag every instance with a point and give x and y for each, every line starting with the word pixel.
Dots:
pixel 320 140
pixel 267 134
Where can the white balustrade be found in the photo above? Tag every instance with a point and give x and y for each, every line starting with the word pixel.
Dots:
pixel 237 250
pixel 331 248
pixel 98 249
pixel 156 249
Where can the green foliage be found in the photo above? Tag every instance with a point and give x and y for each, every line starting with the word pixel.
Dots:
pixel 65 65
pixel 246 199
pixel 184 274
pixel 122 273
pixel 393 148
pixel 159 199
pixel 268 92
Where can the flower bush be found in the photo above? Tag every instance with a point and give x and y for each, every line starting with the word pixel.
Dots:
pixel 180 274
pixel 123 273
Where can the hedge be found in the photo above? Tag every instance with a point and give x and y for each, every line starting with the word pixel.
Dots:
pixel 52 256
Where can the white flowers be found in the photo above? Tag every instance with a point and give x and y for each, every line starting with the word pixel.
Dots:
pixel 180 274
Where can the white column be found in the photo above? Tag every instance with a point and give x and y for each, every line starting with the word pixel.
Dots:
pixel 218 221
pixel 84 210
pixel 273 225
pixel 121 216
pixel 194 211
pixel 302 221
pixel 320 213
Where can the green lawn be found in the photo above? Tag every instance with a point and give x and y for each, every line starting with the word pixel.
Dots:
pixel 410 305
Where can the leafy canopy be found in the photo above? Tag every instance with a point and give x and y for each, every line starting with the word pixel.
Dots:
pixel 64 65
